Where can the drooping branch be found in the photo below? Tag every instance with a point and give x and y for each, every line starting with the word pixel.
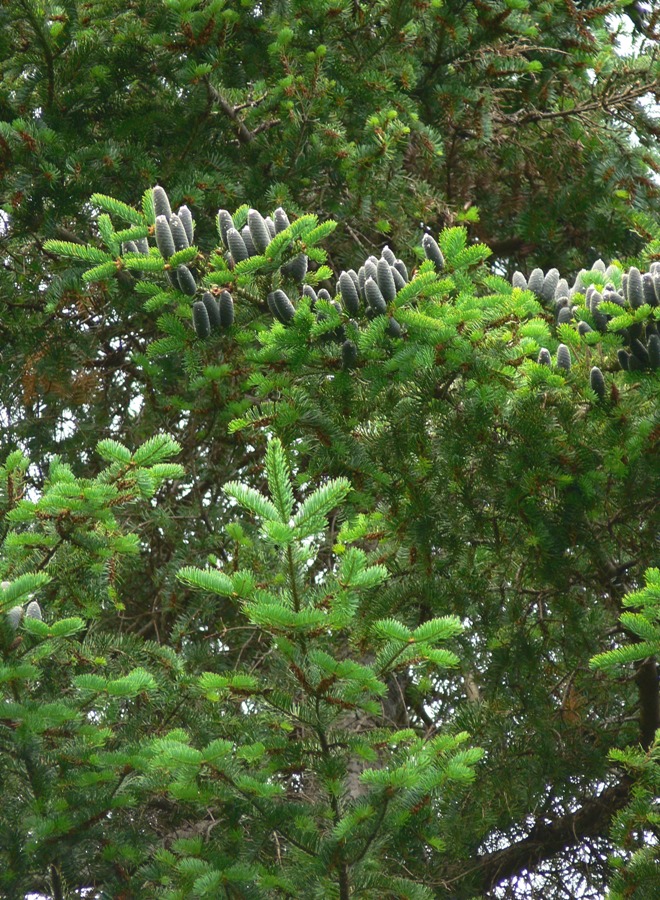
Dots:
pixel 608 103
pixel 46 48
pixel 546 839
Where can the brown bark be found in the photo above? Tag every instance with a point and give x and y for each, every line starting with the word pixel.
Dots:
pixel 545 840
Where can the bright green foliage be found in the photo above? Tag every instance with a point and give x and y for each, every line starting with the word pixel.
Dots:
pixel 643 624
pixel 95 737
pixel 166 715
pixel 69 692
pixel 509 118
pixel 637 865
pixel 367 783
pixel 295 721
pixel 638 861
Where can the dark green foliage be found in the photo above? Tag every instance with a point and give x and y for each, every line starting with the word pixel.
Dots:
pixel 300 735
pixel 449 420
pixel 201 321
pixel 653 349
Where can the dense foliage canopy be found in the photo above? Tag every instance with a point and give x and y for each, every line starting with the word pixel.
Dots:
pixel 327 566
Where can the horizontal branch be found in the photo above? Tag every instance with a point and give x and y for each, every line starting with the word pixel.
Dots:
pixel 608 104
pixel 546 839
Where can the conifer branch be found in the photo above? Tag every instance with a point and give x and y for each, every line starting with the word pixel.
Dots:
pixel 608 103
pixel 45 46
pixel 245 136
pixel 546 839
pixel 499 430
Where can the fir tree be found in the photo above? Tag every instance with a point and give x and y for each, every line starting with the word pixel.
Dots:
pixel 322 543
pixel 375 681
